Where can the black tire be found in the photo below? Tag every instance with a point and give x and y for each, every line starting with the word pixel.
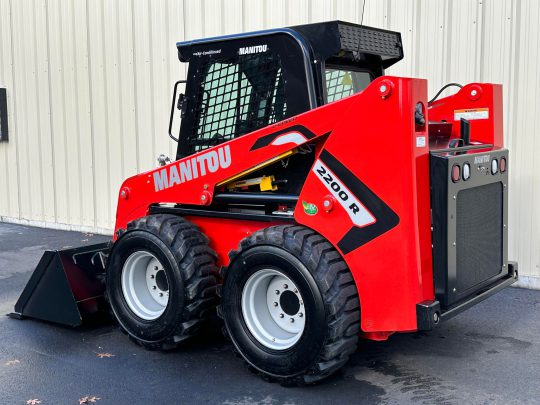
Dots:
pixel 192 276
pixel 332 310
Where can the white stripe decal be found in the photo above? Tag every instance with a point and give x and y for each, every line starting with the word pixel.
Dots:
pixel 292 137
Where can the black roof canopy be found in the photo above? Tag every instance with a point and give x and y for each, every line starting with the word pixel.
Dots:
pixel 324 40
pixel 239 83
pixel 339 38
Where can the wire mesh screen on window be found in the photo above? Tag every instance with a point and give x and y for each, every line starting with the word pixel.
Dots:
pixel 236 97
pixel 339 84
pixel 342 83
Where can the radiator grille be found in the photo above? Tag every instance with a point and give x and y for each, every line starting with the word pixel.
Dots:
pixel 479 231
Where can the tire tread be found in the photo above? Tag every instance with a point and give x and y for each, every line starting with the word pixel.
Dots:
pixel 197 263
pixel 336 286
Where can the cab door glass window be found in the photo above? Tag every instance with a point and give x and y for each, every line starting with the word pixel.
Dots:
pixel 342 83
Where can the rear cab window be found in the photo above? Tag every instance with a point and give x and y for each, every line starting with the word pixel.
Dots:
pixel 343 81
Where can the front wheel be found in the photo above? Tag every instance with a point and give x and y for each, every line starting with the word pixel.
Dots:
pixel 290 305
pixel 162 281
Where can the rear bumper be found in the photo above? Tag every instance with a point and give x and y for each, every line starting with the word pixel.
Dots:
pixel 430 313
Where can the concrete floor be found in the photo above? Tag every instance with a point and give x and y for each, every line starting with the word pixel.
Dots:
pixel 489 354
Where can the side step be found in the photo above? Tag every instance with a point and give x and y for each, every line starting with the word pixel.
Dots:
pixel 65 286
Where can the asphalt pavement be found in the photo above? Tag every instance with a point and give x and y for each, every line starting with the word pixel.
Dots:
pixel 489 354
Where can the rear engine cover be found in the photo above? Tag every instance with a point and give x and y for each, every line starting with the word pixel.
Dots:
pixel 469 216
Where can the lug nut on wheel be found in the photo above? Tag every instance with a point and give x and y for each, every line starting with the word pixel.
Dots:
pixel 275 304
pixel 281 316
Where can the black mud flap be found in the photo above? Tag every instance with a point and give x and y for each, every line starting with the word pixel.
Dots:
pixel 66 286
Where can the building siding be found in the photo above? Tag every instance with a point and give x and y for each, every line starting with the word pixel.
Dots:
pixel 89 85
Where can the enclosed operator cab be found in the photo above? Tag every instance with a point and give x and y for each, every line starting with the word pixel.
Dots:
pixel 241 83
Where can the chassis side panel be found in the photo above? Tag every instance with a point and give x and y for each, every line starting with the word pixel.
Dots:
pixel 375 141
pixel 390 258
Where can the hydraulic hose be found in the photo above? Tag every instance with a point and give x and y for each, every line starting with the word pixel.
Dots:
pixel 443 89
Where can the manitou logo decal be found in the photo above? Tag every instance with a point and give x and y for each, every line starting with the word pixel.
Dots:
pixel 481 159
pixel 359 215
pixel 253 49
pixel 189 169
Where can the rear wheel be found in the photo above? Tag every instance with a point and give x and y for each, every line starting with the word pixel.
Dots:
pixel 162 280
pixel 272 307
pixel 290 305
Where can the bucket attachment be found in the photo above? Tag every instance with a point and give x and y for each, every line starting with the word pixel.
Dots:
pixel 65 286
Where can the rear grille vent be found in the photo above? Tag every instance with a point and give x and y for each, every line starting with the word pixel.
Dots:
pixel 479 231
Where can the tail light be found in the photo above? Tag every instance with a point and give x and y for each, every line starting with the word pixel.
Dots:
pixel 456 173
pixel 502 165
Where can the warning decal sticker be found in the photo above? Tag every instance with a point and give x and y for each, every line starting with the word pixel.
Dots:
pixel 472 114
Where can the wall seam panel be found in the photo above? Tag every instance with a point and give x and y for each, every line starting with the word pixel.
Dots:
pixel 135 90
pixel 152 85
pixel 14 126
pixel 5 147
pixel 77 117
pixel 106 109
pixel 38 115
pixel 91 105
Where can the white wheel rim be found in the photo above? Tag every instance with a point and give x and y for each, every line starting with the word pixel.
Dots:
pixel 273 309
pixel 145 285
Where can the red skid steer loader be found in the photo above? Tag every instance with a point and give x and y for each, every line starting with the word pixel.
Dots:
pixel 313 200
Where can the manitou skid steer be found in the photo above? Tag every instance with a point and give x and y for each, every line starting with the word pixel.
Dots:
pixel 313 200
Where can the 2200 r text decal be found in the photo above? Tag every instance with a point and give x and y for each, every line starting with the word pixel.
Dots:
pixel 359 215
pixel 189 169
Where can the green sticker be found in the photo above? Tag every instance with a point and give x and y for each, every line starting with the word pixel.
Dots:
pixel 309 208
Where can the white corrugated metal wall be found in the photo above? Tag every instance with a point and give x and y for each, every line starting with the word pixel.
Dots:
pixel 89 85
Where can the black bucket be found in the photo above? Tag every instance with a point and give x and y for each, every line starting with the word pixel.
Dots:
pixel 66 286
